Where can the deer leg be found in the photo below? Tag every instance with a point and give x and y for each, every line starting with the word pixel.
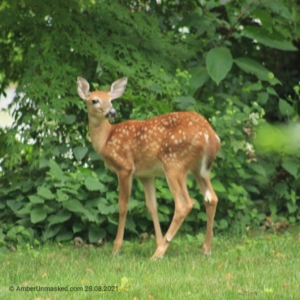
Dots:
pixel 210 201
pixel 125 182
pixel 150 195
pixel 183 205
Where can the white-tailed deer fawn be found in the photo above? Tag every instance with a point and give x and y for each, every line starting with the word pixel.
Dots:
pixel 171 145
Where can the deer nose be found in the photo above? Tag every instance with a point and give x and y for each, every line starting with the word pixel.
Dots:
pixel 111 114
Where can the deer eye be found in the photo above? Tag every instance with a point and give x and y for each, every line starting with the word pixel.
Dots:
pixel 95 101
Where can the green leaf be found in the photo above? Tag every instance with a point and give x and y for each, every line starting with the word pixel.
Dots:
pixel 38 215
pixel 219 62
pixel 292 207
pixel 291 166
pixel 164 209
pixel 80 152
pixel 56 171
pixel 78 226
pixel 279 8
pixel 183 102
pixel 36 199
pixel 285 108
pixel 105 209
pixel 51 232
pixel 96 233
pixel 26 209
pixel 262 98
pixel 218 186
pixel 60 217
pixel 251 66
pixel 223 224
pixel 45 193
pixel 202 216
pixel 61 196
pixel 73 205
pixel 259 169
pixel 68 119
pixel 64 236
pixel 13 204
pixel 265 18
pixel 199 77
pixel 93 184
pixel 43 162
pixel 130 224
pixel 262 36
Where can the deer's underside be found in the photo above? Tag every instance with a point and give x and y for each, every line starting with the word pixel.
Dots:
pixel 170 145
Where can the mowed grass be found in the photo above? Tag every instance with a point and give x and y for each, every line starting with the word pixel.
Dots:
pixel 253 266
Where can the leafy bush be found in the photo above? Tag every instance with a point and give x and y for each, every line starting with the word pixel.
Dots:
pixel 224 61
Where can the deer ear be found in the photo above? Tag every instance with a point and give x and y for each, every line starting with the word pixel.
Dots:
pixel 83 88
pixel 117 88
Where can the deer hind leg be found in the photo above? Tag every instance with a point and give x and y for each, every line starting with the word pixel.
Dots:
pixel 210 201
pixel 183 205
pixel 151 203
pixel 125 183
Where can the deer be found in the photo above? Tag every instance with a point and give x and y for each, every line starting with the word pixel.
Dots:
pixel 171 145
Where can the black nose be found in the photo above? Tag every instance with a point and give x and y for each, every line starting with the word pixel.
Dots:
pixel 112 113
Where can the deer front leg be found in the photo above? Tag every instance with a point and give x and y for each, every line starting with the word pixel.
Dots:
pixel 125 182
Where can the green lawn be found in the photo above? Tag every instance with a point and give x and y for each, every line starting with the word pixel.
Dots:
pixel 260 266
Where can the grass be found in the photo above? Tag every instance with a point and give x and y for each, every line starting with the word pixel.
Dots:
pixel 259 266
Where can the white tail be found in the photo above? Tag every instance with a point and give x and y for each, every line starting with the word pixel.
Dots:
pixel 170 145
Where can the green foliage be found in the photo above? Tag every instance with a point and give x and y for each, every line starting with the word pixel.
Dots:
pixel 236 64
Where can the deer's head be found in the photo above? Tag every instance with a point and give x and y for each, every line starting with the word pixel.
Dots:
pixel 99 103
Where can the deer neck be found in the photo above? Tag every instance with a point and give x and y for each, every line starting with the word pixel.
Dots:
pixel 99 132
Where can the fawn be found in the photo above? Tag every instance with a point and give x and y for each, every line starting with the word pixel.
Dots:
pixel 170 145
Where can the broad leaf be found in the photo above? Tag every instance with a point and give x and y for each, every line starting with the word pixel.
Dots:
pixel 219 62
pixel 199 77
pixel 61 196
pixel 279 8
pixel 64 236
pixel 96 233
pixel 218 186
pixel 251 66
pixel 13 204
pixel 105 209
pixel 285 108
pixel 73 205
pixel 38 215
pixel 259 169
pixel 60 217
pixel 80 152
pixel 36 199
pixel 55 170
pixel 51 232
pixel 291 166
pixel 262 36
pixel 45 193
pixel 93 184
pixel 78 226
pixel 183 102
pixel 68 119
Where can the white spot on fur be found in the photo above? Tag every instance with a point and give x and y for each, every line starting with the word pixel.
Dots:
pixel 206 137
pixel 169 239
